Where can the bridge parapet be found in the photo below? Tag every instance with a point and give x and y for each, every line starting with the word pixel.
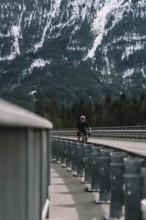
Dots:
pixel 118 177
pixel 24 163
pixel 123 132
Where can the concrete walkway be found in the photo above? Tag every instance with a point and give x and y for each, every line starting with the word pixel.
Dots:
pixel 69 201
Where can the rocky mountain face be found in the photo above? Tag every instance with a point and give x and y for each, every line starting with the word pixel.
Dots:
pixel 71 49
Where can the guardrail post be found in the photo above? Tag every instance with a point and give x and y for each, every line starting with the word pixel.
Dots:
pixel 87 162
pixel 62 152
pixel 104 174
pixel 74 156
pixel 94 187
pixel 133 165
pixel 133 193
pixel 80 158
pixel 143 174
pixel 58 151
pixel 95 178
pixel 132 196
pixel 68 154
pixel 94 172
pixel 116 184
pixel 53 149
pixel 143 202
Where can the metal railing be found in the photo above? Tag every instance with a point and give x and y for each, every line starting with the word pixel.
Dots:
pixel 24 164
pixel 118 177
pixel 115 132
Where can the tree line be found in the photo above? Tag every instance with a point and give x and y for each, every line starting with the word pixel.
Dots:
pixel 122 111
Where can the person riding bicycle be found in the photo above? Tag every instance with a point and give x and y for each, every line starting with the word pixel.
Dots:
pixel 82 127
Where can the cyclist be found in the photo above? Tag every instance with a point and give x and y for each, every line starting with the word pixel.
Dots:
pixel 82 127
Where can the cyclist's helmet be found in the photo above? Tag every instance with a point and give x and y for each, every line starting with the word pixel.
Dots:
pixel 83 117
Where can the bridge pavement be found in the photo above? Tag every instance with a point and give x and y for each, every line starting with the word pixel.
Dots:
pixel 69 201
pixel 135 146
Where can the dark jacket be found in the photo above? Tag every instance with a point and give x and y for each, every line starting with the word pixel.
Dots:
pixel 82 126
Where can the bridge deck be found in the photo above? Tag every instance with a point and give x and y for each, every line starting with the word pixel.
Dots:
pixel 135 146
pixel 69 199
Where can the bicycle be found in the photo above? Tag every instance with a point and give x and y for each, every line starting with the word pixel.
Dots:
pixel 85 137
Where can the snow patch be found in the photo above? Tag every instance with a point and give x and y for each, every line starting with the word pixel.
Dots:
pixel 128 73
pixel 15 33
pixel 99 24
pixel 40 63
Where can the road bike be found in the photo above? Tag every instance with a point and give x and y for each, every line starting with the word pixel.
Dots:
pixel 84 137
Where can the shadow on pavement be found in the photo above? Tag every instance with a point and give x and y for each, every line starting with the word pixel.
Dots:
pixel 82 201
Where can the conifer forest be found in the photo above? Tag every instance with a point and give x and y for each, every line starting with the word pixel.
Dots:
pixel 122 111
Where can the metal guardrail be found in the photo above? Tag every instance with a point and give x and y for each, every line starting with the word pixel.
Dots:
pixel 135 133
pixel 24 164
pixel 118 177
pixel 126 134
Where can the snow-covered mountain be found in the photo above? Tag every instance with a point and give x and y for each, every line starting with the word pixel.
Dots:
pixel 72 49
